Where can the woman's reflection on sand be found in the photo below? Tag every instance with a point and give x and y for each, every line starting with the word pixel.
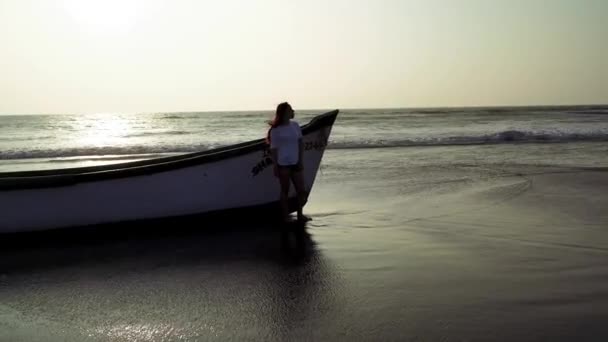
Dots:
pixel 308 288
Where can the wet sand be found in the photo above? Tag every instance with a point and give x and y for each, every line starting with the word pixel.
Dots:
pixel 424 254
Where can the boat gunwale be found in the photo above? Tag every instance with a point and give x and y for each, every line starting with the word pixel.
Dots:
pixel 63 177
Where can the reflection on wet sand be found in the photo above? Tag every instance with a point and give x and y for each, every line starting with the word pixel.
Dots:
pixel 237 282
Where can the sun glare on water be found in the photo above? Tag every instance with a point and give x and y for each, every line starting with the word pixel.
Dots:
pixel 102 130
pixel 103 17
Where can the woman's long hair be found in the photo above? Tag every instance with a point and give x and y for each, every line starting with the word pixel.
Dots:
pixel 280 117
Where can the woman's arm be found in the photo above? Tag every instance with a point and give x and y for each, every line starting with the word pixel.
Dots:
pixel 274 154
pixel 300 153
pixel 300 146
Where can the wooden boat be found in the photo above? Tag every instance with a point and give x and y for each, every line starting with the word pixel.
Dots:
pixel 222 180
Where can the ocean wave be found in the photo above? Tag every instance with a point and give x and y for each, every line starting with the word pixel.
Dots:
pixel 112 151
pixel 149 151
pixel 25 138
pixel 590 111
pixel 505 137
pixel 153 133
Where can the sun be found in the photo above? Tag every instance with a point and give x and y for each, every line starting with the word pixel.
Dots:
pixel 103 17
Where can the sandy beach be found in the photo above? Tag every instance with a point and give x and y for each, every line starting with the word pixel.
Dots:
pixel 426 252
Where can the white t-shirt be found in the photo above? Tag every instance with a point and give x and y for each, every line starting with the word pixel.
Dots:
pixel 285 139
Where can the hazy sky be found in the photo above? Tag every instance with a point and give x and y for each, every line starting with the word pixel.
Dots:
pixel 72 56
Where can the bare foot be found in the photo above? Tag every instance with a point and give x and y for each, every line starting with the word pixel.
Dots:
pixel 304 218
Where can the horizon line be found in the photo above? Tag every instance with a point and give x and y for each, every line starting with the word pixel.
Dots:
pixel 318 109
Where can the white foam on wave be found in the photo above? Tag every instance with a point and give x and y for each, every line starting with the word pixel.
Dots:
pixel 503 137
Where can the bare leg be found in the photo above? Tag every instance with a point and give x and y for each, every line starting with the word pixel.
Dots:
pixel 284 181
pixel 298 182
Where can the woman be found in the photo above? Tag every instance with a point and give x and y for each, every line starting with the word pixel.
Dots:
pixel 285 138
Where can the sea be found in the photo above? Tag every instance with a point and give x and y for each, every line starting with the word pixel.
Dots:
pixel 428 224
pixel 33 142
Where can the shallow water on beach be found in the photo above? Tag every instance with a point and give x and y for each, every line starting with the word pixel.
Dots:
pixel 500 242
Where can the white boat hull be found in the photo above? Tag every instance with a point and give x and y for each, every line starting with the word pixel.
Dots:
pixel 245 180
